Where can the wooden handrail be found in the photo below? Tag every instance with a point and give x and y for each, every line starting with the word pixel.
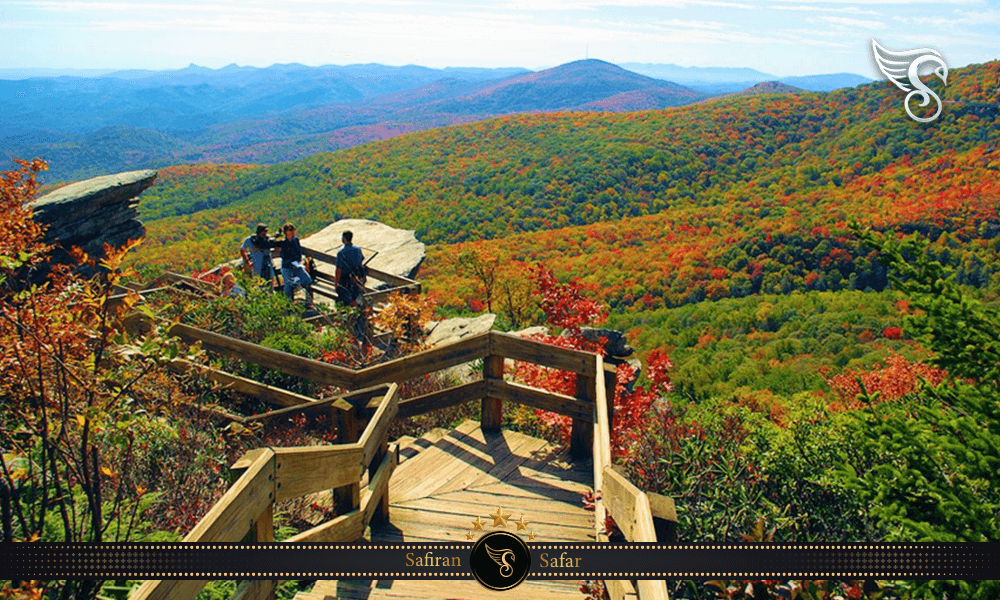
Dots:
pixel 278 474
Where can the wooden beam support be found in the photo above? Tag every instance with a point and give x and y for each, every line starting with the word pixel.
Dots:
pixel 518 348
pixel 416 365
pixel 267 393
pixel 536 398
pixel 629 507
pixel 453 396
pixel 341 530
pixel 306 368
pixel 581 441
pixel 492 408
pixel 301 471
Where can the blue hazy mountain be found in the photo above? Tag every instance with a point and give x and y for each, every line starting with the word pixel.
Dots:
pixel 131 119
pixel 725 80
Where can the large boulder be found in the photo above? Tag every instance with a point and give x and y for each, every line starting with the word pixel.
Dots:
pixel 94 212
pixel 399 252
pixel 615 346
pixel 449 331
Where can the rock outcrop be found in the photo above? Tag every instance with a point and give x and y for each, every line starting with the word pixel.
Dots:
pixel 94 212
pixel 615 345
pixel 449 331
pixel 399 252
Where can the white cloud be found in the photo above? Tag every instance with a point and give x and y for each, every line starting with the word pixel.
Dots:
pixel 854 10
pixel 848 22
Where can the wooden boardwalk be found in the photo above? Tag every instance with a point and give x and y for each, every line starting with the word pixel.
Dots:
pixel 448 480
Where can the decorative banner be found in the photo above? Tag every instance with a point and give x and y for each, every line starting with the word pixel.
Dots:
pixel 455 561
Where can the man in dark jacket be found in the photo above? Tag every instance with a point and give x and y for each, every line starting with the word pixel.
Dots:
pixel 292 270
pixel 351 273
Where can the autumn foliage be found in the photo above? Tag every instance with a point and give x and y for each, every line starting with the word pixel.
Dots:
pixel 897 378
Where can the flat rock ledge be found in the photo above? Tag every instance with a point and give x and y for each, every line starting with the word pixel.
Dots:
pixel 399 252
pixel 94 212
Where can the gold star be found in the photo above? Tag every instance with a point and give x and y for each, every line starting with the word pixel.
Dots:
pixel 499 518
pixel 521 523
pixel 477 525
pixel 469 536
pixel 531 535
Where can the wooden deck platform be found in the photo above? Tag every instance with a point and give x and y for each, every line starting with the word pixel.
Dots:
pixel 448 480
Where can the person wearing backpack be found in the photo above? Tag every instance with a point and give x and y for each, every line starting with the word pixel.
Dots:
pixel 351 272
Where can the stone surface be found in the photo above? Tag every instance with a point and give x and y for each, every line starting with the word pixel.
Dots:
pixel 399 250
pixel 449 331
pixel 91 213
pixel 616 346
pixel 530 331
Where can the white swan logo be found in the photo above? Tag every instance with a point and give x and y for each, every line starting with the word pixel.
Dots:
pixel 500 558
pixel 903 69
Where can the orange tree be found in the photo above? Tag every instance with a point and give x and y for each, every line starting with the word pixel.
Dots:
pixel 79 395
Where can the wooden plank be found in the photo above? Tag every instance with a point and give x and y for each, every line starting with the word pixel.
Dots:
pixel 443 399
pixel 298 366
pixel 602 426
pixel 344 529
pixel 416 365
pixel 373 438
pixel 334 405
pixel 427 524
pixel 652 589
pixel 662 507
pixel 510 451
pixel 301 471
pixel 169 589
pixel 555 493
pixel 340 403
pixel 628 506
pixel 435 467
pixel 619 589
pixel 535 510
pixel 581 441
pixel 255 589
pixel 529 396
pixel 242 385
pixel 377 491
pixel 601 454
pixel 234 514
pixel 492 408
pixel 518 348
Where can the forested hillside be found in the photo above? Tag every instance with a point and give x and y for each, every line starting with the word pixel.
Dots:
pixel 739 198
pixel 744 176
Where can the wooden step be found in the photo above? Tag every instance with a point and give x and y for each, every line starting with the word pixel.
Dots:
pixel 437 590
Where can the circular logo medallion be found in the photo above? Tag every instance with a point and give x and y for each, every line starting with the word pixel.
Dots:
pixel 500 560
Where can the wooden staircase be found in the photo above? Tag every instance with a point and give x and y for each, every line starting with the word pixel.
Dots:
pixel 447 479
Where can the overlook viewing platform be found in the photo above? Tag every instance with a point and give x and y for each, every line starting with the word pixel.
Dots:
pixel 433 488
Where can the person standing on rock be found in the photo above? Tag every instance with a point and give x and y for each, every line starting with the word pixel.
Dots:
pixel 292 270
pixel 351 273
pixel 256 252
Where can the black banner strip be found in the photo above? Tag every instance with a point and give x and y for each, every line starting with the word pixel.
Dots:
pixel 451 561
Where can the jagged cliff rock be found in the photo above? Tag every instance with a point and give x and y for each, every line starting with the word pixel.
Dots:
pixel 399 250
pixel 94 212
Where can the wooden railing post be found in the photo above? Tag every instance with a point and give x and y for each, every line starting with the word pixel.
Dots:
pixel 492 408
pixel 381 514
pixel 347 498
pixel 581 441
pixel 261 529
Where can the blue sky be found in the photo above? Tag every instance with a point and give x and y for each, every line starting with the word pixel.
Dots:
pixel 783 37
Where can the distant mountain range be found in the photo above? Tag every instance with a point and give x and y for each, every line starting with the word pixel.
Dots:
pixel 723 80
pixel 113 121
